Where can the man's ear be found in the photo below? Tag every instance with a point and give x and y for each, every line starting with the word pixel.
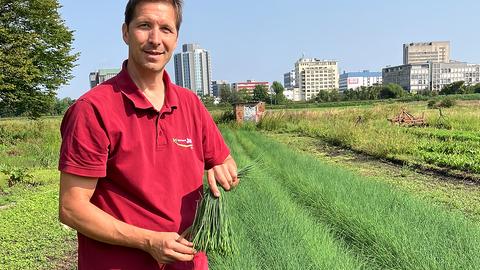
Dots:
pixel 125 33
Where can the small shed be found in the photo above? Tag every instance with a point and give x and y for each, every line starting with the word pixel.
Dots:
pixel 249 111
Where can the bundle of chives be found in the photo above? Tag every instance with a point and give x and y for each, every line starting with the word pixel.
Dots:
pixel 212 230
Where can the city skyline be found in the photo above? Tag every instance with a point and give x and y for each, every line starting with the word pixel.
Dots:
pixel 262 43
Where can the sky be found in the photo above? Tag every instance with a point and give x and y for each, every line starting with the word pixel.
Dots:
pixel 262 39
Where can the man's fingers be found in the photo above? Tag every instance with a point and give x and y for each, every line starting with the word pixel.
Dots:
pixel 181 257
pixel 178 252
pixel 212 183
pixel 184 241
pixel 232 171
pixel 220 177
pixel 226 173
pixel 181 248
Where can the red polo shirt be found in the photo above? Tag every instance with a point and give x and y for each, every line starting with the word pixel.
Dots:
pixel 150 163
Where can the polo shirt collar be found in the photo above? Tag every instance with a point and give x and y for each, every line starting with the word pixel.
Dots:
pixel 136 96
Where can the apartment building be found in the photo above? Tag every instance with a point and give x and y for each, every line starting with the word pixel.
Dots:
pixel 314 75
pixel 193 69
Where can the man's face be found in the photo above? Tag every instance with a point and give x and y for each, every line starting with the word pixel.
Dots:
pixel 151 36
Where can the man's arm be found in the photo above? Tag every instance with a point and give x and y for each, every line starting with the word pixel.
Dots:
pixel 225 174
pixel 76 211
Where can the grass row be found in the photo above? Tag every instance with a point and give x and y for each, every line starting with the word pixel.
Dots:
pixel 385 226
pixel 273 233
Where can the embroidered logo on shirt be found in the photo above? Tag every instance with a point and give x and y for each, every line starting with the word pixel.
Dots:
pixel 186 143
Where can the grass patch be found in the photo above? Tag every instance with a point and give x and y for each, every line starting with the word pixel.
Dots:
pixel 31 237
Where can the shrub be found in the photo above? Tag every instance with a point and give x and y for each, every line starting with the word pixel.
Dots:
pixel 432 104
pixel 447 102
pixel 226 117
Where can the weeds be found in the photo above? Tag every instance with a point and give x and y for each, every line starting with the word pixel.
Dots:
pixel 17 175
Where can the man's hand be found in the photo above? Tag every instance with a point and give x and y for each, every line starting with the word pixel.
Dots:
pixel 168 247
pixel 225 174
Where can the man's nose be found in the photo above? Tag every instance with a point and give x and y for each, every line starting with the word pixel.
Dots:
pixel 155 37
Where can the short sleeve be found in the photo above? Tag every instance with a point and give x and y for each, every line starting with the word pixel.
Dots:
pixel 215 149
pixel 85 143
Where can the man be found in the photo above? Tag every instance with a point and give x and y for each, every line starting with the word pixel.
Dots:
pixel 134 150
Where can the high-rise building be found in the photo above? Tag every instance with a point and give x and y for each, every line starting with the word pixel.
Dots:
pixel 314 75
pixel 289 79
pixel 193 69
pixel 98 77
pixel 354 80
pixel 424 52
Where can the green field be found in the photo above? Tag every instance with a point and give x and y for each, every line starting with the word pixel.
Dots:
pixel 299 211
pixel 451 142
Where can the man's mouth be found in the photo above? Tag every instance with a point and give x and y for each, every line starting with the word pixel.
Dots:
pixel 152 52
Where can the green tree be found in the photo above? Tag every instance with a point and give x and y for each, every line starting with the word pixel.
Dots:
pixel 35 56
pixel 207 100
pixel 260 93
pixel 334 95
pixel 226 95
pixel 476 88
pixel 279 97
pixel 322 96
pixel 242 96
pixel 453 88
pixel 350 94
pixel 392 90
pixel 61 105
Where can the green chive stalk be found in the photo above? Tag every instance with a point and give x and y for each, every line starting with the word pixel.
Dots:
pixel 212 229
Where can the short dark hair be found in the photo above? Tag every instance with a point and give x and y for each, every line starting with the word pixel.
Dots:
pixel 132 4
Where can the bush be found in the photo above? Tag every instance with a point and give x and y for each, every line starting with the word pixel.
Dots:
pixel 447 102
pixel 432 104
pixel 226 117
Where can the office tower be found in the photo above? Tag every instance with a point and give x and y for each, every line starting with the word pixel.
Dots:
pixel 193 69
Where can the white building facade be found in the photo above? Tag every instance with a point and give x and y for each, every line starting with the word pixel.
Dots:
pixel 355 80
pixel 431 76
pixel 314 75
pixel 292 94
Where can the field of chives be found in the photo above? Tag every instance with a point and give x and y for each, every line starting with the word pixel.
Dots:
pixel 296 213
pixel 301 214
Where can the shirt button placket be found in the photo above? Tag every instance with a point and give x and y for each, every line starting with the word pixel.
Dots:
pixel 161 140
